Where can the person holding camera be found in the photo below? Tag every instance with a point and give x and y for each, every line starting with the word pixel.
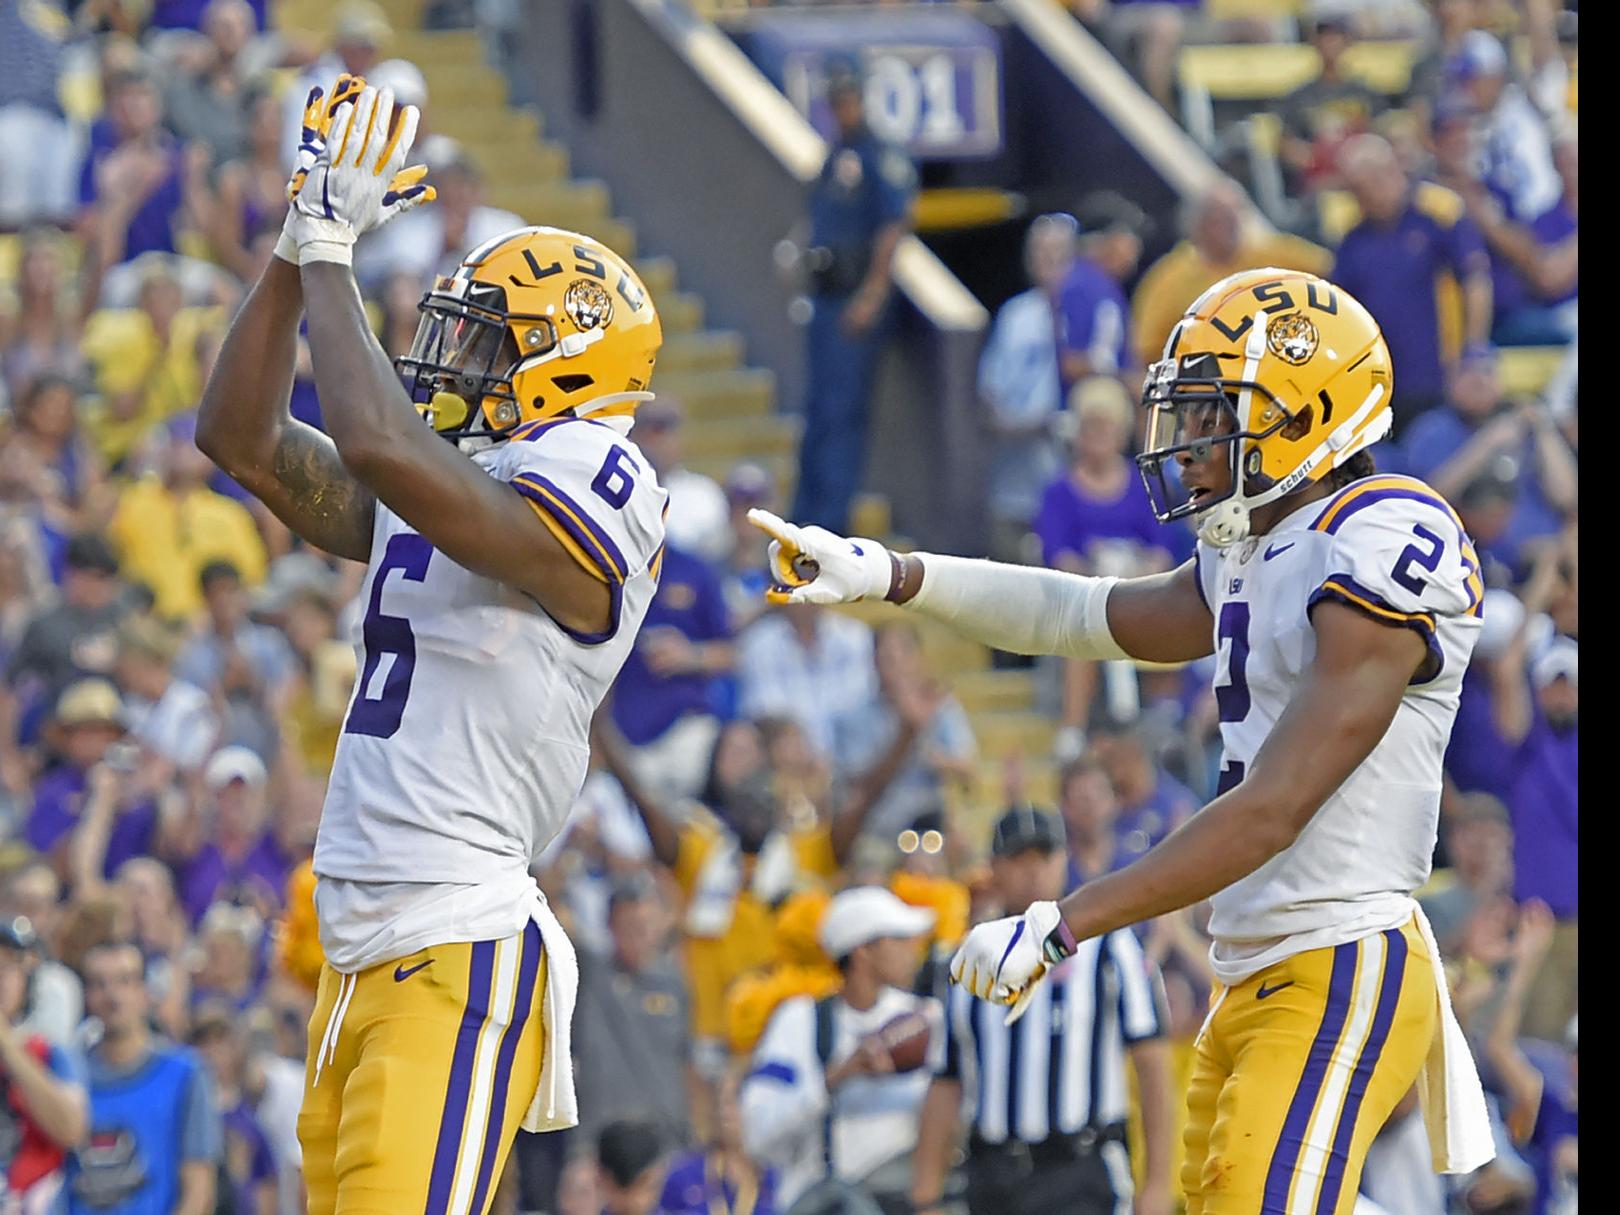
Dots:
pixel 837 1085
pixel 860 207
pixel 43 1108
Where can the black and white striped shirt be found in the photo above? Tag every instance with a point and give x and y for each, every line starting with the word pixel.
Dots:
pixel 1061 1067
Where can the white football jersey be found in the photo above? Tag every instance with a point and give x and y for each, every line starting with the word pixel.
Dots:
pixel 467 734
pixel 1393 548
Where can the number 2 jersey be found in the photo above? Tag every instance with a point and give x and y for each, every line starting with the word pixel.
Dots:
pixel 467 734
pixel 1392 548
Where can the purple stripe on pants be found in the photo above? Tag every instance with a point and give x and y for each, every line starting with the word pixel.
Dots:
pixel 454 1118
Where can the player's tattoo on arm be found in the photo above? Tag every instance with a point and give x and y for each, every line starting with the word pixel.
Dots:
pixel 323 502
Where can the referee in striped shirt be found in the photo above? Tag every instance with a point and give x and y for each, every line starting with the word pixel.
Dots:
pixel 1047 1097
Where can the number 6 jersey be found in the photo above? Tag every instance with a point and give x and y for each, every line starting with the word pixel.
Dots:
pixel 1391 547
pixel 467 735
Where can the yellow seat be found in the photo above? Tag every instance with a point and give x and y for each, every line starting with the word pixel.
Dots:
pixel 1525 370
pixel 941 210
pixel 1271 70
pixel 1239 10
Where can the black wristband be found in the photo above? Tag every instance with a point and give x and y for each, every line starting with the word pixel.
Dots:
pixel 897 576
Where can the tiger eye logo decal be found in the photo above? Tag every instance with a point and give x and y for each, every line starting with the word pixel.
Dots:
pixel 588 304
pixel 1293 338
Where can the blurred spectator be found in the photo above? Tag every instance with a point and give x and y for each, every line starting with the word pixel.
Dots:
pixel 1453 19
pixel 236 858
pixel 1542 1114
pixel 860 208
pixel 1538 713
pixel 720 1179
pixel 1536 266
pixel 1147 35
pixel 1089 808
pixel 228 942
pixel 1514 154
pixel 1152 803
pixel 44 1110
pixel 1410 240
pixel 1319 116
pixel 1479 843
pixel 746 576
pixel 168 525
pixel 1453 446
pixel 630 1161
pixel 1066 1150
pixel 38 325
pixel 667 696
pixel 55 996
pixel 738 860
pixel 68 480
pixel 35 138
pixel 1093 319
pixel 212 105
pixel 146 359
pixel 78 634
pixel 1477 758
pixel 360 33
pixel 698 513
pixel 1098 520
pixel 944 753
pixel 1018 381
pixel 433 240
pixel 94 777
pixel 154 1142
pixel 246 665
pixel 173 719
pixel 131 188
pixel 806 664
pixel 824 1100
pixel 248 1168
pixel 159 929
pixel 1219 238
pixel 634 1029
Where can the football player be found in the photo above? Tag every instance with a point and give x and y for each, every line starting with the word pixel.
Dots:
pixel 1341 606
pixel 513 535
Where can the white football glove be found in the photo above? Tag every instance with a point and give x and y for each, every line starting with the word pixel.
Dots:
pixel 358 180
pixel 812 565
pixel 1002 960
pixel 317 123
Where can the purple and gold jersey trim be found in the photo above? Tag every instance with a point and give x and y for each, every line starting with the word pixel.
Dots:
pixel 1373 490
pixel 1342 588
pixel 592 540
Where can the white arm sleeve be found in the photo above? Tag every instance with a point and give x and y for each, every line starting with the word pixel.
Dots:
pixel 1019 608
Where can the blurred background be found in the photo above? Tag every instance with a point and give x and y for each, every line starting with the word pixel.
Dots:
pixel 911 260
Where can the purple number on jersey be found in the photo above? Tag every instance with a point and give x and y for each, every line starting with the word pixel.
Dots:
pixel 1232 697
pixel 380 716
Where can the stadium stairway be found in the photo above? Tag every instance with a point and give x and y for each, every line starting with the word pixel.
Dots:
pixel 730 406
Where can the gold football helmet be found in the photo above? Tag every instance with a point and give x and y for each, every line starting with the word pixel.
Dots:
pixel 534 324
pixel 1287 370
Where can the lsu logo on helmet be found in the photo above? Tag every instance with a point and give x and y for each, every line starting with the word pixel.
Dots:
pixel 1292 338
pixel 538 323
pixel 1290 373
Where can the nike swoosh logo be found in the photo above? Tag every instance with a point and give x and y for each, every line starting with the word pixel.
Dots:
pixel 1277 552
pixel 401 974
pixel 1271 991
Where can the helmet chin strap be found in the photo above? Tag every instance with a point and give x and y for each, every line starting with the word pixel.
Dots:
pixel 1226 523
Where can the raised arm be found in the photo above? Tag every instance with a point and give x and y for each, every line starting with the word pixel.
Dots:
pixel 481 524
pixel 244 424
pixel 662 829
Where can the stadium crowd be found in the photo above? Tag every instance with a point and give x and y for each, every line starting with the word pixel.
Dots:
pixel 177 665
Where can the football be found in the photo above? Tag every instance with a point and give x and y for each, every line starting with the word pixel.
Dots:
pixel 906 1038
